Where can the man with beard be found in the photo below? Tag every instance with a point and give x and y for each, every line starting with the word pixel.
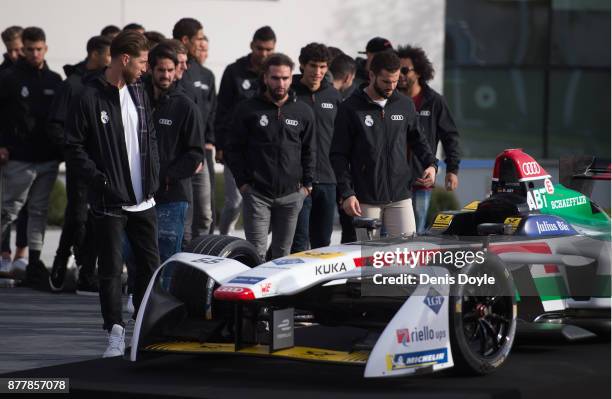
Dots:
pixel 190 32
pixel 180 135
pixel 110 140
pixel 75 235
pixel 271 152
pixel 316 220
pixel 240 81
pixel 436 121
pixel 369 152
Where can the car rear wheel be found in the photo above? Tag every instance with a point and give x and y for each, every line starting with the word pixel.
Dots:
pixel 482 319
pixel 225 247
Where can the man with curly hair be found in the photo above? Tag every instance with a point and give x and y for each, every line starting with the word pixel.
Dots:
pixel 435 119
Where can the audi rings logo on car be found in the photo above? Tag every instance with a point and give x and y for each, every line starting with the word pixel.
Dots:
pixel 397 117
pixel 530 168
pixel 235 290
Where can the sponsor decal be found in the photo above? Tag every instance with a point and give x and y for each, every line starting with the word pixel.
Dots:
pixel 49 92
pixel 369 122
pixel 405 336
pixel 472 206
pixel 433 300
pixel 235 290
pixel 265 288
pixel 201 85
pixel 263 121
pixel 25 92
pixel 442 221
pixel 400 361
pixel 330 268
pixel 397 117
pixel 288 261
pixel 327 105
pixel 104 117
pixel 246 84
pixel 425 113
pixel 246 280
pixel 317 254
pixel 536 199
pixel 514 222
pixel 166 122
pixel 550 189
pixel 197 83
pixel 208 261
pixel 291 122
pixel 531 168
pixel 568 202
pixel 547 226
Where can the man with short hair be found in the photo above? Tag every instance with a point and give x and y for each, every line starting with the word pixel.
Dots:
pixel 154 38
pixel 374 46
pixel 316 220
pixel 11 37
pixel 110 31
pixel 136 27
pixel 203 54
pixel 435 119
pixel 369 153
pixel 26 92
pixel 180 136
pixel 75 229
pixel 190 32
pixel 110 140
pixel 343 69
pixel 271 152
pixel 240 81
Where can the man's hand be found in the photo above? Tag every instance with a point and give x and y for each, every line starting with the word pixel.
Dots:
pixel 199 168
pixel 219 156
pixel 307 190
pixel 209 146
pixel 451 181
pixel 243 189
pixel 4 156
pixel 351 206
pixel 429 177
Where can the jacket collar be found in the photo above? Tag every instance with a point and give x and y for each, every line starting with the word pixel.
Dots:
pixel 261 95
pixel 27 67
pixel 360 92
pixel 299 87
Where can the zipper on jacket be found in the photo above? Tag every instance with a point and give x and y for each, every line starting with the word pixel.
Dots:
pixel 387 163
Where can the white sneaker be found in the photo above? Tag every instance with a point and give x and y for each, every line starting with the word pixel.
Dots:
pixel 19 268
pixel 116 342
pixel 129 305
pixel 5 267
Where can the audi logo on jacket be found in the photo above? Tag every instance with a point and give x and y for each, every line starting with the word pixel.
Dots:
pixel 369 151
pixel 272 148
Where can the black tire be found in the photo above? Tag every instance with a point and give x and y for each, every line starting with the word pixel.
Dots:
pixel 482 320
pixel 225 247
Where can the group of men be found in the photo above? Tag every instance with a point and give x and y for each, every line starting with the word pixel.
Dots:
pixel 137 123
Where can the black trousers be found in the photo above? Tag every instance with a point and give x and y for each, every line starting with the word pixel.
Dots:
pixel 75 218
pixel 141 231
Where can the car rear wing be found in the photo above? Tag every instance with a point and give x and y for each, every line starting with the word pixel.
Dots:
pixel 579 172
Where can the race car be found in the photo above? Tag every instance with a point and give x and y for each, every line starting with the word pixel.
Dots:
pixel 532 258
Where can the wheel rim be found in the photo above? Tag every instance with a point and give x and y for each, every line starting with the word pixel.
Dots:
pixel 486 319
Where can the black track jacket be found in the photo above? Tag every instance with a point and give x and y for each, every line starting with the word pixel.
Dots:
pixel 324 103
pixel 272 148
pixel 95 144
pixel 369 151
pixel 202 81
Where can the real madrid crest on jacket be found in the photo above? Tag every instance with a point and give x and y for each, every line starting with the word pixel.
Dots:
pixel 238 83
pixel 369 151
pixel 26 94
pixel 272 148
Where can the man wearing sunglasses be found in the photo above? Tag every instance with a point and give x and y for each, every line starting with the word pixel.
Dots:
pixel 435 119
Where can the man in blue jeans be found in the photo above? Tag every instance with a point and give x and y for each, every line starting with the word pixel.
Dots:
pixel 180 132
pixel 316 220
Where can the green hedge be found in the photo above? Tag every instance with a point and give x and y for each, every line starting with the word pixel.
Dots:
pixel 57 204
pixel 441 200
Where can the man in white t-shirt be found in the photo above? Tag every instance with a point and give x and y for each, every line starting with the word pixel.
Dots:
pixel 110 139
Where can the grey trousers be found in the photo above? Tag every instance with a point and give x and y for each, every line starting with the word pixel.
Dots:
pixel 199 213
pixel 263 214
pixel 231 205
pixel 29 182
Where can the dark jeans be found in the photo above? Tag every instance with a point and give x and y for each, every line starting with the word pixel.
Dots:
pixel 316 219
pixel 21 230
pixel 75 218
pixel 349 234
pixel 141 231
pixel 170 224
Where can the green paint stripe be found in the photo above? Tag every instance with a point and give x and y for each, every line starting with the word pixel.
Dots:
pixel 551 288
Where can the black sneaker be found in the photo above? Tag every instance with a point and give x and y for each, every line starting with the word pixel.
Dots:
pixel 37 276
pixel 88 287
pixel 58 273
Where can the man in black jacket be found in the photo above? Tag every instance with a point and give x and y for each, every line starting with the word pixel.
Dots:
pixel 74 230
pixel 435 119
pixel 180 143
pixel 240 81
pixel 316 220
pixel 271 152
pixel 369 153
pixel 110 140
pixel 26 92
pixel 190 32
pixel 11 37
